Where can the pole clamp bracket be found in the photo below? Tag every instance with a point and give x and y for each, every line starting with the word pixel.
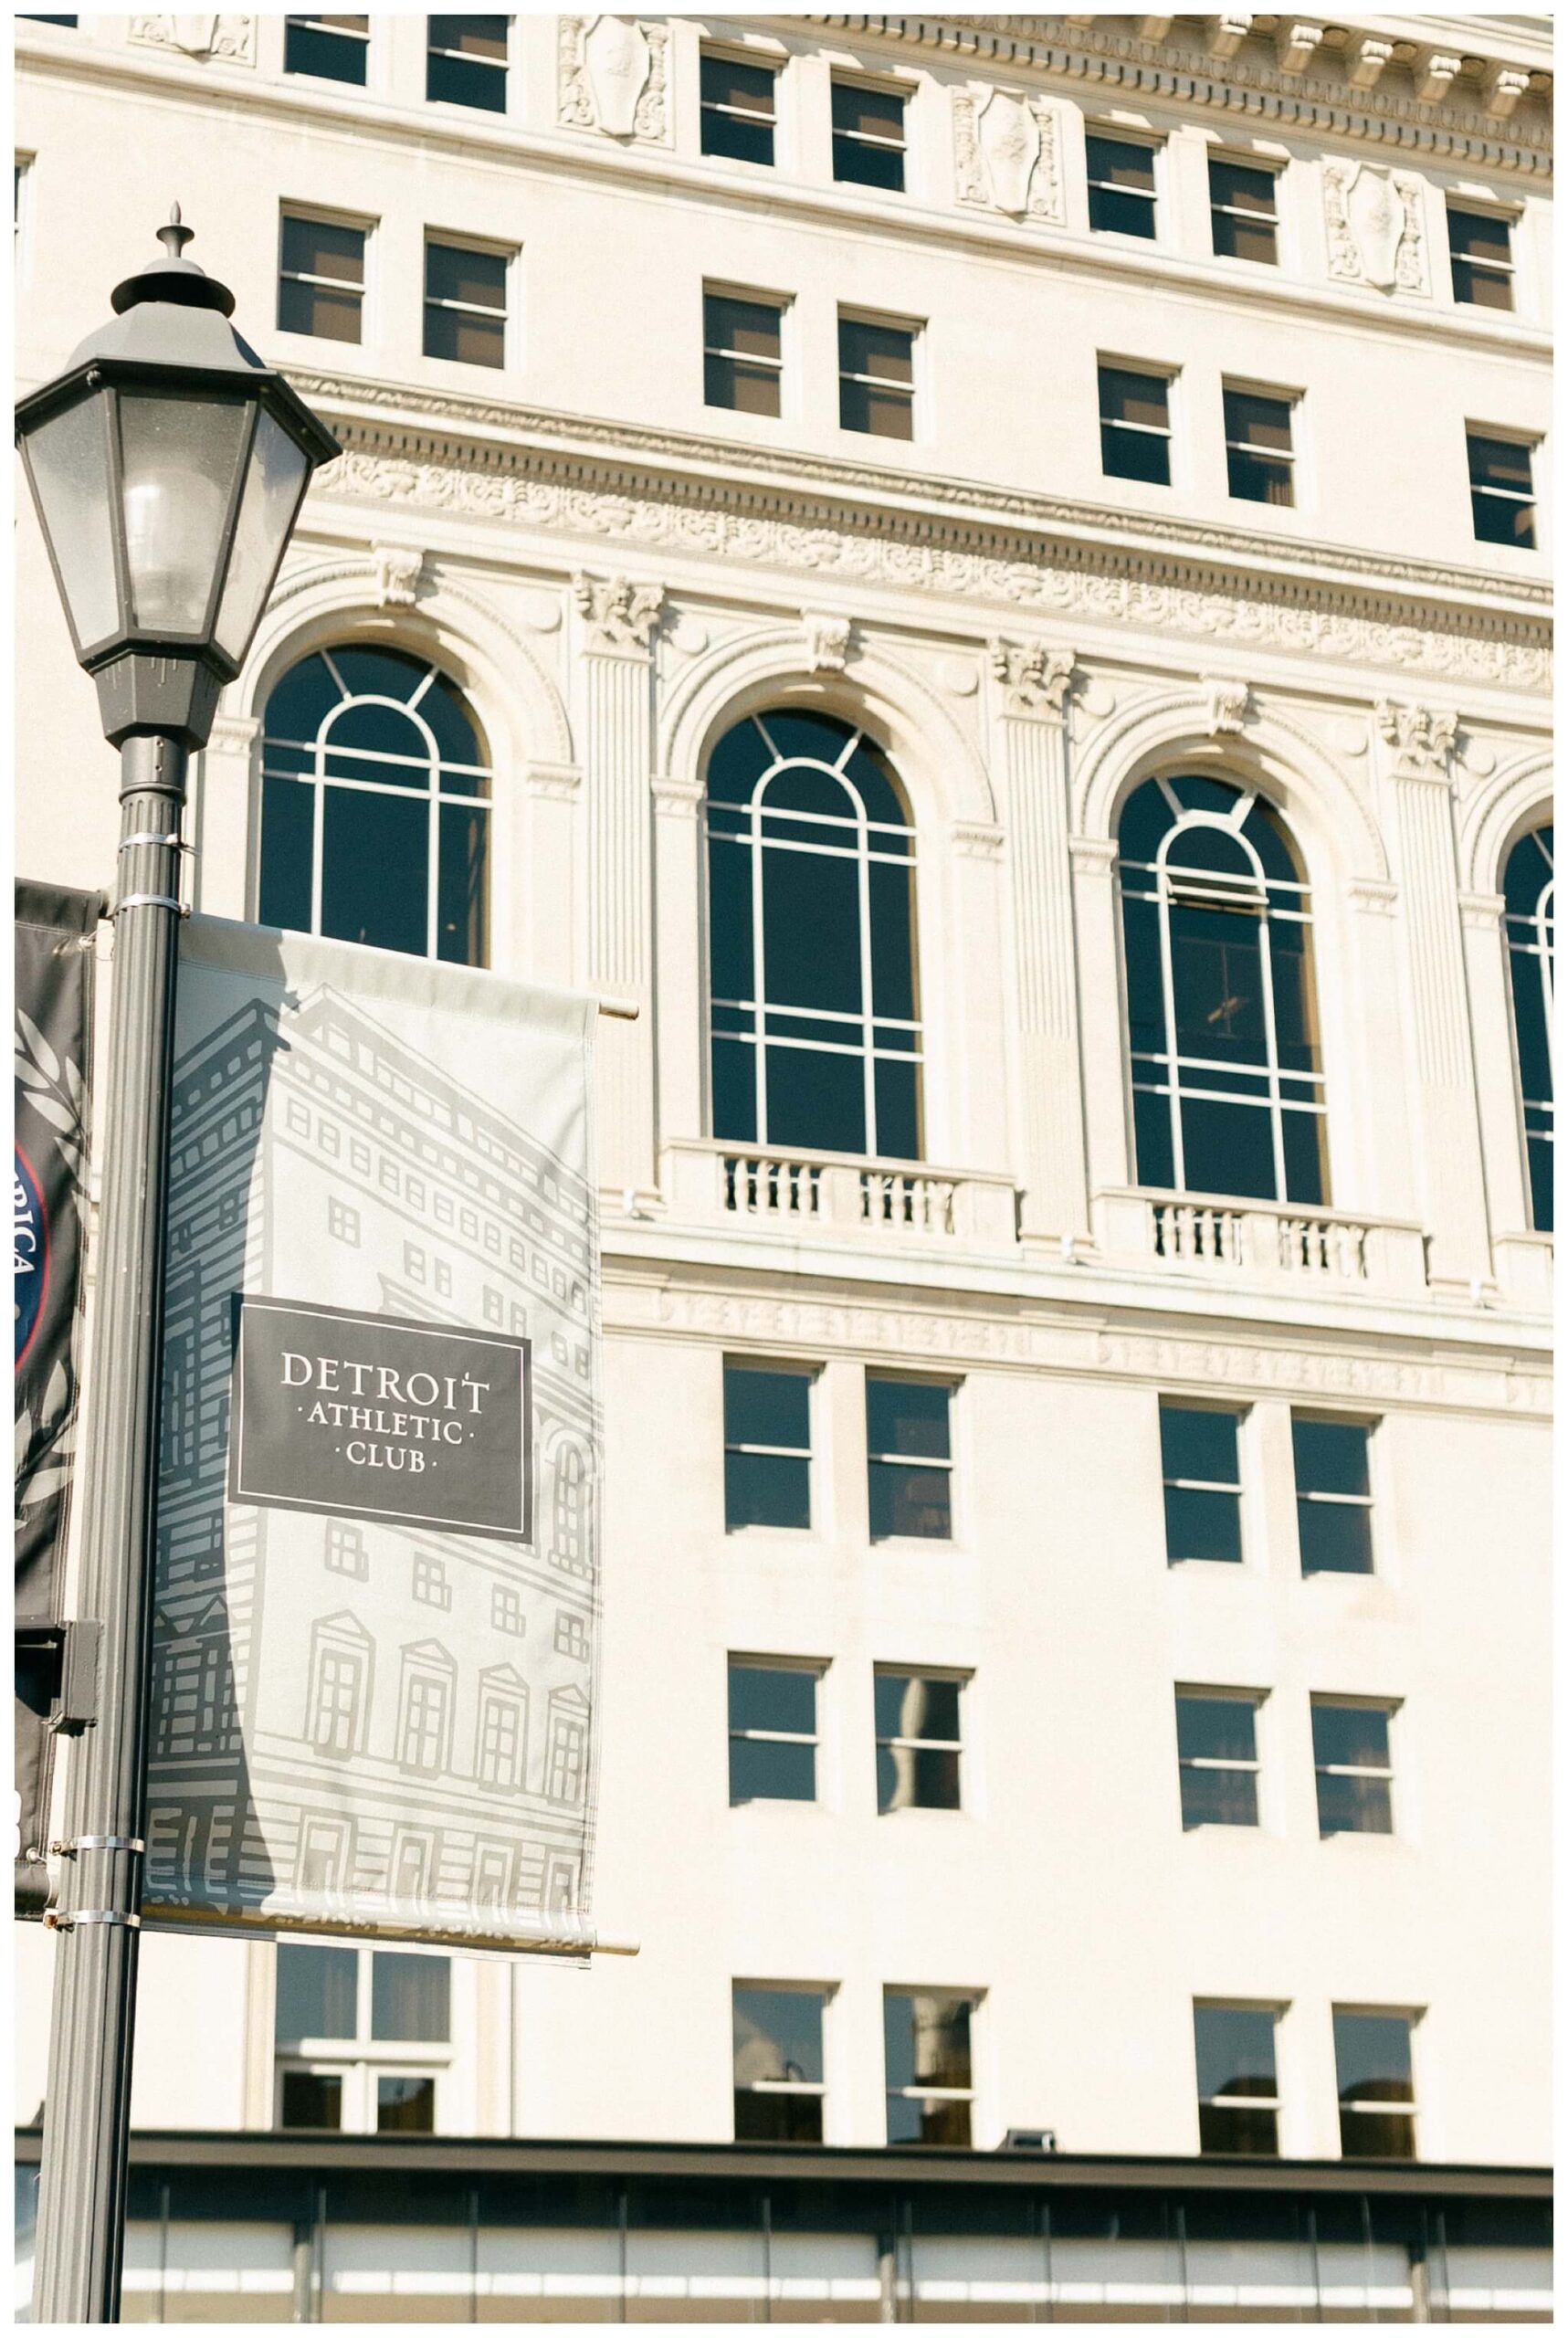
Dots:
pixel 152 901
pixel 68 1850
pixel 69 1923
pixel 155 836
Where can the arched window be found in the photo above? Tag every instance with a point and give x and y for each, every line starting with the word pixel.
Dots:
pixel 814 998
pixel 1530 907
pixel 375 806
pixel 1228 1083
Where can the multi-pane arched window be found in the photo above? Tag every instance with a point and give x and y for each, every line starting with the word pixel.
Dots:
pixel 1530 907
pixel 1228 1083
pixel 375 806
pixel 814 994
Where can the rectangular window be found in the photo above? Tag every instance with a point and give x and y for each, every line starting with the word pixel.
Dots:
pixel 930 2066
pixel 779 2085
pixel 1356 1771
pixel 506 1608
pixel 876 377
pixel 1480 254
pixel 743 352
pixel 320 279
pixel 571 1635
pixel 1216 1752
pixel 405 2103
pixel 346 1553
pixel 430 1583
pixel 869 136
pixel 317 1994
pixel 465 303
pixel 1200 1460
pixel 738 108
pixel 1259 454
pixel 1238 2085
pixel 918 1741
pixel 332 48
pixel 1502 491
pixel 465 63
pixel 1376 2083
pixel 767 1447
pixel 773 1732
pixel 410 1998
pixel 1135 425
pixel 312 2099
pixel 1333 1494
pixel 1243 215
pixel 1120 186
pixel 908 1457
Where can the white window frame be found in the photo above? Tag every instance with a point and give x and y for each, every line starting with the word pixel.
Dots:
pixel 1238 1414
pixel 1527 938
pixel 362 2059
pixel 957 1746
pixel 502 65
pixel 1388 1707
pixel 948 1461
pixel 816 1670
pixel 767 62
pixel 916 328
pixel 885 87
pixel 1146 370
pixel 1255 1699
pixel 1153 145
pixel 318 215
pixel 1412 2016
pixel 781 366
pixel 974 1999
pixel 797 1370
pixel 332 32
pixel 1503 437
pixel 825 1993
pixel 1512 219
pixel 1293 401
pixel 1245 2102
pixel 1264 167
pixel 1367 1501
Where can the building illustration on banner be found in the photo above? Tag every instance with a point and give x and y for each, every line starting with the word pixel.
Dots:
pixel 452 1668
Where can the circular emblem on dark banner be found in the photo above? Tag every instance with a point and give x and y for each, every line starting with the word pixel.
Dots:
pixel 30 1253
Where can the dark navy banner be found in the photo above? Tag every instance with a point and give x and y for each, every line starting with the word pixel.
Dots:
pixel 55 935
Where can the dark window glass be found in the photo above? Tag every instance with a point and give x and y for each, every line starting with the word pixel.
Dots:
pixel 737 109
pixel 1376 2083
pixel 1217 1751
pixel 1333 1495
pixel 312 2099
pixel 385 775
pixel 1257 447
pixel 465 304
pixel 917 1743
pixel 778 2065
pixel 333 49
pixel 930 2067
pixel 410 1997
pixel 466 64
pixel 1135 426
pixel 908 1457
pixel 1120 186
pixel 1350 1754
pixel 1202 1472
pixel 742 353
pixel 767 1447
pixel 867 136
pixel 1529 922
pixel 1242 213
pixel 317 1992
pixel 1236 1106
pixel 321 284
pixel 1480 254
pixel 838 1073
pixel 1238 2087
pixel 1502 491
pixel 405 2106
pixel 772 1734
pixel 876 378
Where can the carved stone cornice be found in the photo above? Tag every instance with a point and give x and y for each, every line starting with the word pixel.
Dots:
pixel 455 430
pixel 1035 679
pixel 1424 739
pixel 808 536
pixel 620 615
pixel 1200 70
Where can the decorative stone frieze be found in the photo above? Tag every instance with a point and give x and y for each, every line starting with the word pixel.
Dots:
pixel 229 39
pixel 398 569
pixel 1034 677
pixel 1007 154
pixel 827 640
pixel 1226 705
pixel 1373 220
pixel 1424 739
pixel 614 76
pixel 620 614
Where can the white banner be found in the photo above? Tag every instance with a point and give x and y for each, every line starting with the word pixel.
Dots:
pixel 376 1617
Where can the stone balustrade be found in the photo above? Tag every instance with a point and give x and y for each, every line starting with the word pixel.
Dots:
pixel 1225 1236
pixel 838 1194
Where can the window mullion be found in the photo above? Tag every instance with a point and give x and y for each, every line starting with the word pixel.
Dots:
pixel 868 1026
pixel 1271 1050
pixel 759 956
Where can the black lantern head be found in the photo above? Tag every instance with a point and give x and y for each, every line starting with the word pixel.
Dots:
pixel 167 465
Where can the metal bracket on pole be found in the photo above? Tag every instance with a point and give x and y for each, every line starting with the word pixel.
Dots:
pixel 96 1843
pixel 77 1916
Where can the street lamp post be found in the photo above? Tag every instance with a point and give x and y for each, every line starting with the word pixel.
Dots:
pixel 167 465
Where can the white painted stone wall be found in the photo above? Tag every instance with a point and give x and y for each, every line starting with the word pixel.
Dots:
pixel 1029 639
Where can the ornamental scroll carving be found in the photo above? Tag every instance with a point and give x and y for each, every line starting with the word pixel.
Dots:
pixel 1007 155
pixel 1373 220
pixel 1328 626
pixel 620 614
pixel 1032 675
pixel 230 39
pixel 827 643
pixel 614 76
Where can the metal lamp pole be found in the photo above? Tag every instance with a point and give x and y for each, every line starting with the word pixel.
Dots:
pixel 167 466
